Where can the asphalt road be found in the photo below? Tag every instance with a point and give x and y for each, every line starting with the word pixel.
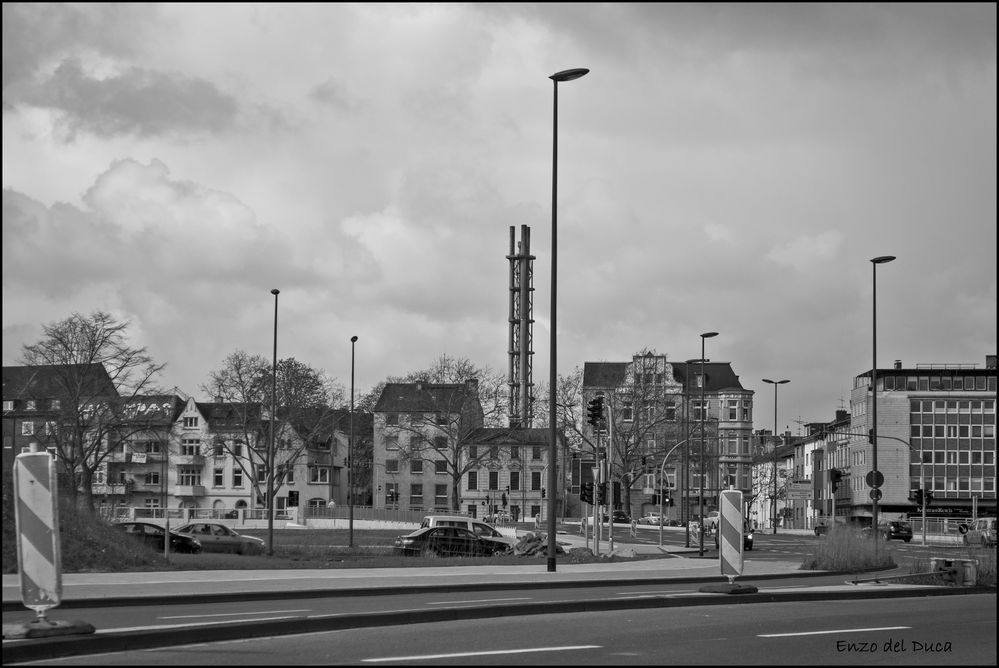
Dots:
pixel 953 630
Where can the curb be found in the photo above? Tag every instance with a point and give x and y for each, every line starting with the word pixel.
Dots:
pixel 17 651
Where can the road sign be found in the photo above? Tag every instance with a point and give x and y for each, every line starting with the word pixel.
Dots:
pixel 37 517
pixel 876 494
pixel 730 528
pixel 875 480
pixel 799 491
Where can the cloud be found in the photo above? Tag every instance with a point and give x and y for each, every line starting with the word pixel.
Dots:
pixel 805 251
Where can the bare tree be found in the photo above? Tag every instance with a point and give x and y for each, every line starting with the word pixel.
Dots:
pixel 93 375
pixel 241 388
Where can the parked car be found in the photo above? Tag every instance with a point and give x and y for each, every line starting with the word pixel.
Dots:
pixel 464 522
pixel 621 517
pixel 653 518
pixel 217 537
pixel 711 521
pixel 980 532
pixel 893 530
pixel 747 537
pixel 821 529
pixel 449 542
pixel 152 535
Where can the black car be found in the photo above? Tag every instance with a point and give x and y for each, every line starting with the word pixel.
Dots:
pixel 747 538
pixel 892 531
pixel 445 541
pixel 152 536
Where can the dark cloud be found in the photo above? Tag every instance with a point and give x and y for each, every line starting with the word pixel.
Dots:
pixel 137 102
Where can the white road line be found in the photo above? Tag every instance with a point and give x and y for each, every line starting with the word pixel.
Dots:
pixel 481 600
pixel 819 633
pixel 431 657
pixel 234 614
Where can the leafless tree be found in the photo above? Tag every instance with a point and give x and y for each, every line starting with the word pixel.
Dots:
pixel 95 374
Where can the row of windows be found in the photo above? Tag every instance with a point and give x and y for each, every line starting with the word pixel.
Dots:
pixel 30 405
pixel 954 457
pixel 415 466
pixel 440 419
pixel 472 480
pixel 932 383
pixel 951 406
pixel 393 494
pixel 952 431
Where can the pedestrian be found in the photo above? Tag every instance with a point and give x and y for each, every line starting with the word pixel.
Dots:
pixel 537 521
pixel 331 506
pixel 634 527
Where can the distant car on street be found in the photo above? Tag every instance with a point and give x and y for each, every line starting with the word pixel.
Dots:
pixel 153 536
pixel 711 520
pixel 217 537
pixel 747 537
pixel 892 530
pixel 980 532
pixel 653 518
pixel 621 517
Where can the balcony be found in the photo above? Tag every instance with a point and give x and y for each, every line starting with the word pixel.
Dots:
pixel 120 489
pixel 181 460
pixel 189 490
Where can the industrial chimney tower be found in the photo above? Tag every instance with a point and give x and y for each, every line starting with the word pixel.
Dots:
pixel 521 327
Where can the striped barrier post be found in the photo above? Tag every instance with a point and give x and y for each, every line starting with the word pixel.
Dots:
pixel 730 528
pixel 37 516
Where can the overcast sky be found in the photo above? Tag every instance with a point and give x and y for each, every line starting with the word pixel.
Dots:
pixel 728 168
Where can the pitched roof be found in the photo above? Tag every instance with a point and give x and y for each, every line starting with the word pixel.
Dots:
pixel 719 376
pixel 423 397
pixel 45 381
pixel 229 414
pixel 531 436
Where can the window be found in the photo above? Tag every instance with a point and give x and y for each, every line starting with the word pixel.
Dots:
pixel 514 452
pixel 8 406
pixel 627 412
pixel 50 428
pixel 440 495
pixel 55 405
pixel 289 473
pixel 190 422
pixel 440 466
pixel 151 478
pixel 514 479
pixel 237 449
pixel 494 480
pixel 391 493
pixel 218 450
pixel 30 405
pixel 219 477
pixel 473 480
pixel 536 452
pixel 440 443
pixel 473 453
pixel 441 419
pixel 747 410
pixel 733 409
pixel 27 428
pixel 535 480
pixel 188 476
pixel 189 447
pixel 391 441
pixel 391 465
pixel 416 495
pixel 415 418
pixel 416 466
pixel 153 447
pixel 493 453
pixel 392 419
pixel 237 477
pixel 319 475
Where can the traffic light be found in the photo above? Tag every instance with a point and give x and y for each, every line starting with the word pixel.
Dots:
pixel 595 412
pixel 586 493
pixel 929 496
pixel 542 492
pixel 917 496
pixel 835 476
pixel 602 494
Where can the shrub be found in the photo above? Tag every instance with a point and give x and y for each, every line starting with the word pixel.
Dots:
pixel 848 549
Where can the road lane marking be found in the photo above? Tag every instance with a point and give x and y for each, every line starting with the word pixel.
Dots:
pixel 233 614
pixel 819 633
pixel 456 655
pixel 481 600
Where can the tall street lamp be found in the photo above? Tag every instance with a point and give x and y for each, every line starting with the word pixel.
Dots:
pixel 700 542
pixel 773 499
pixel 564 75
pixel 270 445
pixel 350 447
pixel 875 475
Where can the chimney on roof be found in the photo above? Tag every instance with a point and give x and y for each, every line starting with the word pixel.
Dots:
pixel 990 361
pixel 472 385
pixel 898 364
pixel 841 415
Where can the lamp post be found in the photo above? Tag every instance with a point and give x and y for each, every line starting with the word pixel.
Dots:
pixel 270 445
pixel 773 499
pixel 564 75
pixel 700 501
pixel 881 259
pixel 350 449
pixel 662 486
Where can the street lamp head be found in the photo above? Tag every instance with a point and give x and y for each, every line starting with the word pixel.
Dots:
pixel 881 259
pixel 708 335
pixel 275 291
pixel 569 75
pixel 353 339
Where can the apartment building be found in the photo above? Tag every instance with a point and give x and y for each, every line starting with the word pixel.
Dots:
pixel 657 409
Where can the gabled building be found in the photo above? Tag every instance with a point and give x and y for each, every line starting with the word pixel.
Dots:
pixel 656 413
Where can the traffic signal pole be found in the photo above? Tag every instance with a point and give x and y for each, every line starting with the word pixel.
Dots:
pixel 662 486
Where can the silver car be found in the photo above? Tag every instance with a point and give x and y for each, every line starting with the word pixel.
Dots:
pixel 217 537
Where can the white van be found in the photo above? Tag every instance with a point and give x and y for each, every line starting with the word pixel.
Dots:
pixel 475 526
